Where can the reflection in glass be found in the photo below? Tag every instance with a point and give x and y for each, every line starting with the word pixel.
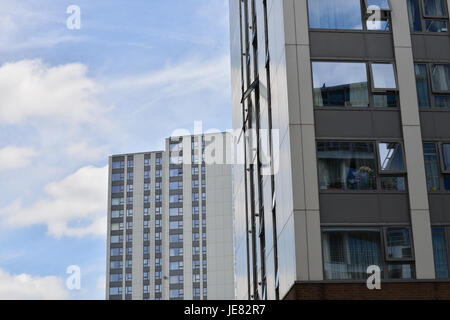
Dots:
pixel 382 4
pixel 415 16
pixel 398 243
pixel 347 254
pixel 400 271
pixel 446 156
pixel 441 78
pixel 346 166
pixel 340 84
pixel 423 89
pixel 383 76
pixel 391 156
pixel 431 166
pixel 436 25
pixel 393 183
pixel 335 14
pixel 440 253
pixel 435 8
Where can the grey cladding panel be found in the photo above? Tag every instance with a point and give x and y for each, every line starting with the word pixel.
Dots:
pixel 435 125
pixel 357 45
pixel 431 47
pixel 358 123
pixel 364 208
pixel 439 208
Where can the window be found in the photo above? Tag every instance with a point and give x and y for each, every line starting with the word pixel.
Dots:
pixel 174 225
pixel 146 224
pixel 128 276
pixel 176 172
pixel 195 184
pixel 347 14
pixel 128 263
pixel 117 201
pixel 174 212
pixel 437 175
pixel 146 289
pixel 195 210
pixel 146 199
pixel 117 189
pixel 428 15
pixel 175 238
pixel 195 171
pixel 176 293
pixel 346 166
pixel 116 252
pixel 129 238
pixel 176 147
pixel 146 174
pixel 399 253
pixel 346 84
pixel 348 252
pixel 177 265
pixel 128 290
pixel 129 212
pixel 129 188
pixel 335 14
pixel 158 161
pixel 175 159
pixel 146 162
pixel 195 196
pixel 118 164
pixel 115 277
pixel 114 291
pixel 117 239
pixel 116 264
pixel 177 185
pixel 130 176
pixel 129 225
pixel 117 177
pixel 129 200
pixel 446 157
pixel 178 279
pixel 391 161
pixel 116 213
pixel 196 292
pixel 116 226
pixel 146 212
pixel 130 163
pixel 440 253
pixel 176 198
pixel 176 252
pixel 146 262
pixel 146 186
pixel 352 166
pixel 158 173
pixel 434 93
pixel 146 276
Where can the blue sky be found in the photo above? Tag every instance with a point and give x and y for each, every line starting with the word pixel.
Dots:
pixel 136 71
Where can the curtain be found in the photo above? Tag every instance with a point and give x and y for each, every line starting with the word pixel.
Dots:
pixel 440 253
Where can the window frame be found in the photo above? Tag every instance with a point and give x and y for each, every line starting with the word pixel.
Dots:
pixel 412 259
pixel 427 17
pixel 370 85
pixel 372 80
pixel 431 93
pixel 441 158
pixel 382 230
pixel 379 174
pixel 394 172
pixel 434 91
pixel 423 17
pixel 447 244
pixel 363 15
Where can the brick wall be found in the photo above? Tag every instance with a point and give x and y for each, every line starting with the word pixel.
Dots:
pixel 359 291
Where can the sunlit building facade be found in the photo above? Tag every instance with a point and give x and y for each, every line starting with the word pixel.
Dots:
pixel 354 97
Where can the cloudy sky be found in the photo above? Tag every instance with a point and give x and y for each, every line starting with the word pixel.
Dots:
pixel 136 71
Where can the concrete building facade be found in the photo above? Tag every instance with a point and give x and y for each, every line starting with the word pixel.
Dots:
pixel 170 222
pixel 359 99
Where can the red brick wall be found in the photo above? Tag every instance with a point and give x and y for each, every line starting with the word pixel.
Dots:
pixel 359 291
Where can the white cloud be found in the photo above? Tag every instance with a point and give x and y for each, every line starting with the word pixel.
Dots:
pixel 83 150
pixel 188 77
pixel 27 287
pixel 13 157
pixel 29 88
pixel 74 206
